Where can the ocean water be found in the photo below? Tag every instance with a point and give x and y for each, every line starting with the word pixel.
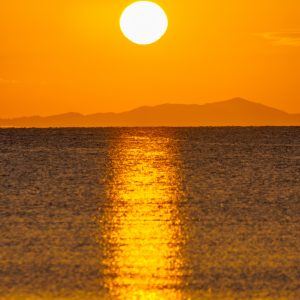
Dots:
pixel 150 213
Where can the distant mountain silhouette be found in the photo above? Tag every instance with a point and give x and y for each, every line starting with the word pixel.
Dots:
pixel 234 112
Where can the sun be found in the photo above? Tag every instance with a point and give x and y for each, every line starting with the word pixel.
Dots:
pixel 144 22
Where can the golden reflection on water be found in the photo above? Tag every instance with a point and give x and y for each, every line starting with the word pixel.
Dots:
pixel 142 228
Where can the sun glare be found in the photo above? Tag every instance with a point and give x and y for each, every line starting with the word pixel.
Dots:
pixel 144 22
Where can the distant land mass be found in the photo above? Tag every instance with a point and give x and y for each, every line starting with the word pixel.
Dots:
pixel 233 112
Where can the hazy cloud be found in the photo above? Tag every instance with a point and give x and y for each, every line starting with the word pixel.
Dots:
pixel 8 81
pixel 14 81
pixel 282 38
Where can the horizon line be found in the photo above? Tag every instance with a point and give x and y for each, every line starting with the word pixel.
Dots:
pixel 147 106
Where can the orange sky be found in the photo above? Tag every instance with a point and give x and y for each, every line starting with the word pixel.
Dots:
pixel 58 56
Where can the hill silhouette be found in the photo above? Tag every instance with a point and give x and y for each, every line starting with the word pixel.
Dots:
pixel 233 112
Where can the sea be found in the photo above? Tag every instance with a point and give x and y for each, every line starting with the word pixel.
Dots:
pixel 150 213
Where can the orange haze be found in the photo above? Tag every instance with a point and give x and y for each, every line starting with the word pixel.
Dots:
pixel 60 56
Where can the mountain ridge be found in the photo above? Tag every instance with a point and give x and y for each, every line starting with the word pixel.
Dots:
pixel 232 112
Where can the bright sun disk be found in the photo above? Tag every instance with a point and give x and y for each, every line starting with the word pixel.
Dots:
pixel 144 22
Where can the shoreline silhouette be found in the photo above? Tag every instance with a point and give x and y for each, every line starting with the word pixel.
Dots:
pixel 233 112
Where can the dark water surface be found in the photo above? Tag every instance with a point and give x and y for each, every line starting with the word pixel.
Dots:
pixel 150 213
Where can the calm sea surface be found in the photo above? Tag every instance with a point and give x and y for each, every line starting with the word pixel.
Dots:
pixel 153 213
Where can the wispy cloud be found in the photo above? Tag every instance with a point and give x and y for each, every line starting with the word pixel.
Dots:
pixel 291 38
pixel 8 81
pixel 14 81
